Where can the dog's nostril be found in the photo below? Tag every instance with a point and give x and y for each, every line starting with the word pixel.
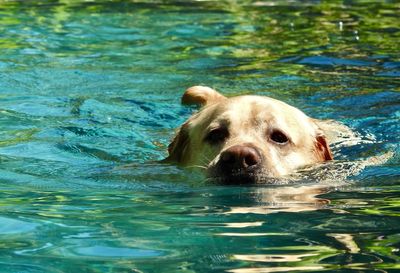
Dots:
pixel 251 159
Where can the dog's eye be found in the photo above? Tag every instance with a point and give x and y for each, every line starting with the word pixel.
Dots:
pixel 217 135
pixel 279 137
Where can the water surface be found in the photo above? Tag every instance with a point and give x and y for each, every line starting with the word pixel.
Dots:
pixel 88 87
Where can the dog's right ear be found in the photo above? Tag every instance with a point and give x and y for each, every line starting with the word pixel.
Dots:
pixel 201 95
pixel 177 150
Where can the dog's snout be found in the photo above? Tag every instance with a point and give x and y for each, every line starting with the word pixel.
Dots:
pixel 240 157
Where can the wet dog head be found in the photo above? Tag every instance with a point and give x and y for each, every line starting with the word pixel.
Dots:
pixel 246 139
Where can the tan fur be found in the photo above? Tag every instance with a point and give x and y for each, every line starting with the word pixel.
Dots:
pixel 248 120
pixel 201 95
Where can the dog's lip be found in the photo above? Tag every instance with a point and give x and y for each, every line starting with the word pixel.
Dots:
pixel 243 177
pixel 235 177
pixel 239 180
pixel 232 177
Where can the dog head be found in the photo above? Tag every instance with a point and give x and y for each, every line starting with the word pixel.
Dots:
pixel 246 139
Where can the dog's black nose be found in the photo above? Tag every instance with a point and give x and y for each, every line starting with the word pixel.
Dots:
pixel 239 157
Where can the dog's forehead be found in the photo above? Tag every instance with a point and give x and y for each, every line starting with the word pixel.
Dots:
pixel 244 111
pixel 257 104
pixel 256 108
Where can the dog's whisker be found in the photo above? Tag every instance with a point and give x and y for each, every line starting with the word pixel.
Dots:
pixel 197 166
pixel 205 160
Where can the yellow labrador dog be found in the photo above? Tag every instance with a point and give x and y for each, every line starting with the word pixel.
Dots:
pixel 246 139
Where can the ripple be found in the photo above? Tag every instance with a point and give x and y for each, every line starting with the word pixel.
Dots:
pixel 116 252
pixel 276 269
pixel 38 106
pixel 276 258
pixel 12 226
pixel 332 61
pixel 24 267
pixel 321 60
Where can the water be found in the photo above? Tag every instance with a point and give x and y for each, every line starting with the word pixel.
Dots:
pixel 89 87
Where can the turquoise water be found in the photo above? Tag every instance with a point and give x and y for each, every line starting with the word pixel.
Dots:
pixel 89 100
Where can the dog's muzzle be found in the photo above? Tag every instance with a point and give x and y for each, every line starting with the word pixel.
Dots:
pixel 239 164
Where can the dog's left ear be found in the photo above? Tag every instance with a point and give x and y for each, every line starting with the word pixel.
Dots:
pixel 201 95
pixel 322 148
pixel 324 129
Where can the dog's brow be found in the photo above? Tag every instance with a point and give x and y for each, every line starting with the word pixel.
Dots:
pixel 220 123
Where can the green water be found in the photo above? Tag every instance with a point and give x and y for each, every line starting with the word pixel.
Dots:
pixel 89 87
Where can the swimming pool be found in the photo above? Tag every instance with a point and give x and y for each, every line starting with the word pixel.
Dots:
pixel 89 87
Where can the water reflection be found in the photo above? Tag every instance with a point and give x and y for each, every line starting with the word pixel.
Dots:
pixel 276 269
pixel 347 240
pixel 285 199
pixel 275 258
pixel 89 86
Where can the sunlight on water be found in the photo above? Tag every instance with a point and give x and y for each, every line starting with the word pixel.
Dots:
pixel 90 99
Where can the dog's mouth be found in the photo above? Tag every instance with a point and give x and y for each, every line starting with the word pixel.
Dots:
pixel 240 177
pixel 237 179
pixel 248 180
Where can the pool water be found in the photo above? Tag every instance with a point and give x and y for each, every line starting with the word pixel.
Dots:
pixel 90 98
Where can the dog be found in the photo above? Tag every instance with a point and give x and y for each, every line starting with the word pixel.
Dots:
pixel 246 139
